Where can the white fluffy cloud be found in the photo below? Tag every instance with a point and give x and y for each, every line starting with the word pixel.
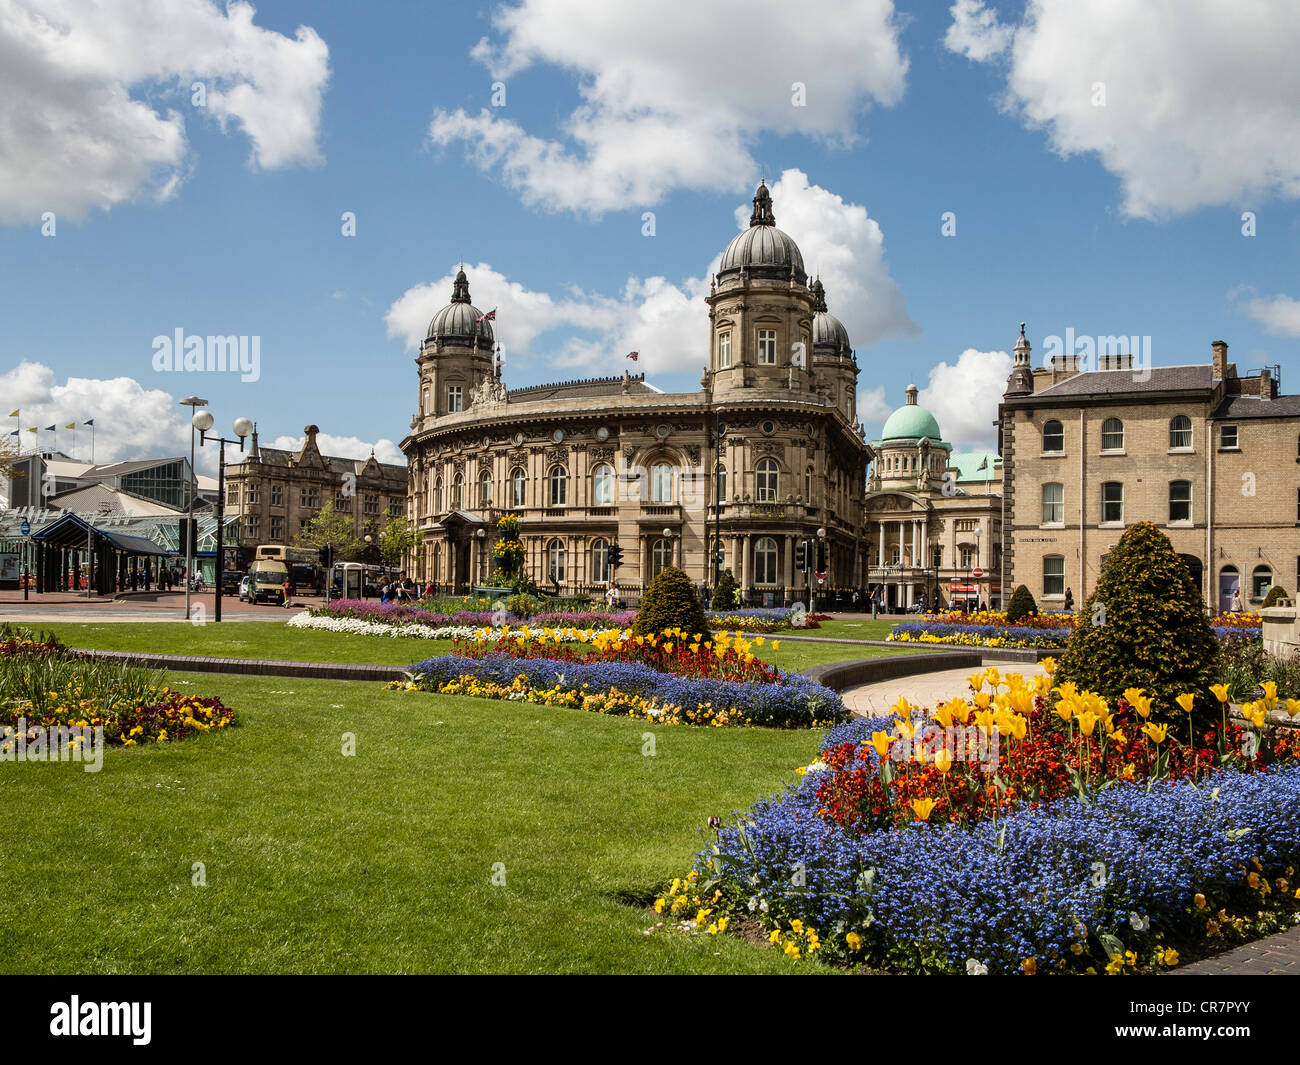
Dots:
pixel 348 447
pixel 873 407
pixel 667 321
pixel 1199 96
pixel 964 396
pixel 1279 315
pixel 673 93
pixel 94 98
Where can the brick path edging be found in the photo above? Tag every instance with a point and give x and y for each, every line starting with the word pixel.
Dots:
pixel 1277 955
pixel 255 667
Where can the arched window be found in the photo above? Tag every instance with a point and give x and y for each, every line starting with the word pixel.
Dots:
pixel 1053 436
pixel 661 483
pixel 661 557
pixel 602 482
pixel 1180 501
pixel 1261 580
pixel 424 400
pixel 559 486
pixel 600 571
pixel 767 480
pixel 1053 504
pixel 1180 432
pixel 555 559
pixel 766 558
pixel 518 486
pixel 1112 435
pixel 485 489
pixel 437 496
pixel 458 492
pixel 1054 575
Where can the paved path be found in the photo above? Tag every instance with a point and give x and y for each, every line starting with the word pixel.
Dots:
pixel 925 689
pixel 1278 955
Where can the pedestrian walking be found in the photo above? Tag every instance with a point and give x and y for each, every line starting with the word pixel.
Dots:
pixel 284 592
pixel 1069 601
pixel 1236 600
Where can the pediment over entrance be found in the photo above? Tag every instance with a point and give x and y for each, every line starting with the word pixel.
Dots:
pixel 900 501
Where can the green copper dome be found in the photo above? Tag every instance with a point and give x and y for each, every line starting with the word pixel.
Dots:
pixel 911 422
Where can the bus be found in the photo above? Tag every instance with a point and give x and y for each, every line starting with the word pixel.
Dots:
pixel 286 554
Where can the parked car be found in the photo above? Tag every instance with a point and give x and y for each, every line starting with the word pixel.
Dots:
pixel 230 581
pixel 244 592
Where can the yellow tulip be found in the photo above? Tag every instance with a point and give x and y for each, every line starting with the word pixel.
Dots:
pixel 1087 722
pixel 976 681
pixel 1220 692
pixel 1064 709
pixel 1270 694
pixel 1155 733
pixel 1186 701
pixel 881 741
pixel 1293 707
pixel 1048 665
pixel 902 708
pixel 942 760
pixel 923 808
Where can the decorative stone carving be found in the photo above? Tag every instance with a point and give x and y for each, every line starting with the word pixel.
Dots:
pixel 599 454
pixel 489 393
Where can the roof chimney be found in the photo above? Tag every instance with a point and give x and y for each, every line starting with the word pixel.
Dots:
pixel 1267 385
pixel 1220 350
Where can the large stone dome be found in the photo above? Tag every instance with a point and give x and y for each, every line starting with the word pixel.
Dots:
pixel 459 320
pixel 911 422
pixel 762 249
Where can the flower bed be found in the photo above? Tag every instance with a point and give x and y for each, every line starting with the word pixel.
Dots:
pixel 1058 861
pixel 764 619
pixel 979 635
pixel 44 685
pixel 631 688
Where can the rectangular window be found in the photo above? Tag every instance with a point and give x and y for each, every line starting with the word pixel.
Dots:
pixel 1180 501
pixel 277 527
pixel 724 350
pixel 967 556
pixel 253 494
pixel 1053 575
pixel 250 527
pixel 394 508
pixel 767 347
pixel 1227 436
pixel 370 505
pixel 1053 504
pixel 308 497
pixel 232 495
pixel 277 495
pixel 1112 502
pixel 1053 437
pixel 454 400
pixel 938 558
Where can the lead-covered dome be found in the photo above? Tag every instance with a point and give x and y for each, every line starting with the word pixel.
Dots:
pixel 460 319
pixel 827 330
pixel 762 249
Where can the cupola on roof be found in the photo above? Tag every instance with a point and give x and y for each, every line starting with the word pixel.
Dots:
pixel 460 319
pixel 762 249
pixel 911 422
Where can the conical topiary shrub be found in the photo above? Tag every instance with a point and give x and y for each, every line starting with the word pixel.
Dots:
pixel 1022 605
pixel 724 595
pixel 1144 626
pixel 1274 594
pixel 671 602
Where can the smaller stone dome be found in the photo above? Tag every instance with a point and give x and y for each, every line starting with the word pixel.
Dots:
pixel 460 319
pixel 827 330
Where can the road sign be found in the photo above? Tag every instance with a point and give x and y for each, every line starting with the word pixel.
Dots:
pixel 25 528
pixel 977 573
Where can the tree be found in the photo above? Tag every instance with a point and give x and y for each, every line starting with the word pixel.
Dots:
pixel 1275 593
pixel 396 538
pixel 671 602
pixel 724 595
pixel 1144 626
pixel 333 527
pixel 1021 606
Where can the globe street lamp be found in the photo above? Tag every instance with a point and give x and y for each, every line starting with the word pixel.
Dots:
pixel 202 421
pixel 668 535
pixel 365 557
pixel 193 402
pixel 821 543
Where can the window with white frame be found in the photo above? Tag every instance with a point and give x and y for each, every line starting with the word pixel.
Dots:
pixel 455 399
pixel 661 483
pixel 767 347
pixel 518 486
pixel 555 560
pixel 1054 575
pixel 1180 433
pixel 767 480
pixel 1112 435
pixel 766 559
pixel 724 350
pixel 1053 436
pixel 559 486
pixel 1180 501
pixel 1053 504
pixel 602 483
pixel 1112 502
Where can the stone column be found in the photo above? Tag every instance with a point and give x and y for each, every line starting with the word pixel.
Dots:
pixel 880 561
pixel 745 554
pixel 787 564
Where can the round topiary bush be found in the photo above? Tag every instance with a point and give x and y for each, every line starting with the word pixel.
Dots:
pixel 671 602
pixel 724 596
pixel 1022 605
pixel 1144 626
pixel 1274 594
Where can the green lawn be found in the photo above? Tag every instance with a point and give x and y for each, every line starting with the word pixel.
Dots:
pixel 382 862
pixel 855 630
pixel 248 639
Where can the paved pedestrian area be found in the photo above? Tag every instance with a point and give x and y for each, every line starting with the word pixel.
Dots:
pixel 925 689
pixel 1278 955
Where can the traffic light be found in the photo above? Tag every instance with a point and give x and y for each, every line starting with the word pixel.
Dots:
pixel 801 556
pixel 615 556
pixel 327 556
pixel 821 556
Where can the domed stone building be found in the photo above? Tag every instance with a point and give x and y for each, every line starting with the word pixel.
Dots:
pixel 933 516
pixel 767 453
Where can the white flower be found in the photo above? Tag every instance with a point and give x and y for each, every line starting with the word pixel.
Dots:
pixel 816 767
pixel 976 968
pixel 1139 923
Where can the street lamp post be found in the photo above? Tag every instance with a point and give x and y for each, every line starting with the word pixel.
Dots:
pixel 365 558
pixel 192 402
pixel 668 536
pixel 242 427
pixel 978 534
pixel 812 565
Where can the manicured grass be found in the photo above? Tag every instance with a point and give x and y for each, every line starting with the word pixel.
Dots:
pixel 865 629
pixel 382 862
pixel 277 640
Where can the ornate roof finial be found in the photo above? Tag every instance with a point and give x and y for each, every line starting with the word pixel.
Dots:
pixel 762 215
pixel 460 288
pixel 819 295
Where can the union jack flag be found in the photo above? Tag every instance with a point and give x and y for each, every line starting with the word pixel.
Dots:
pixel 634 355
pixel 491 316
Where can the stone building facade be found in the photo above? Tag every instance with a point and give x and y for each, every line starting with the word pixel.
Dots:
pixel 934 518
pixel 766 454
pixel 276 492
pixel 1208 455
